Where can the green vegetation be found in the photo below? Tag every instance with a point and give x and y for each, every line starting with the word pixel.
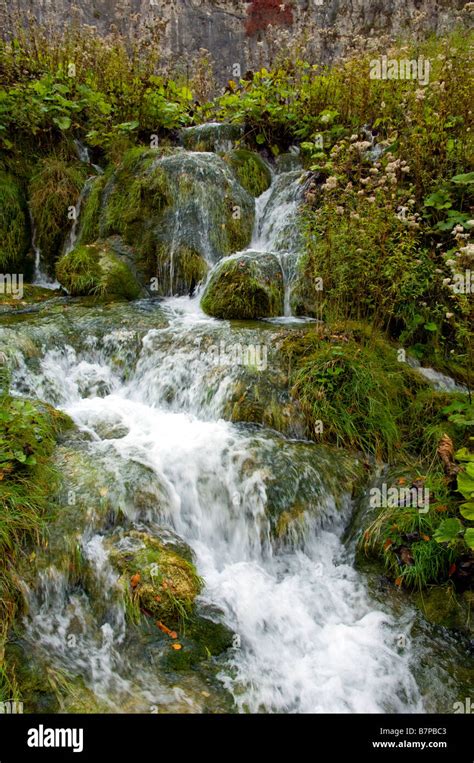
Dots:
pixel 54 188
pixel 94 269
pixel 250 170
pixel 28 433
pixel 14 226
pixel 349 378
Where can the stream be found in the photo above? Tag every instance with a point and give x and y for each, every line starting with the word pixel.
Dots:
pixel 148 388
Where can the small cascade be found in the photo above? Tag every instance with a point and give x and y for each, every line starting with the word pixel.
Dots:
pixel 71 239
pixel 276 213
pixel 289 267
pixel 83 155
pixel 40 278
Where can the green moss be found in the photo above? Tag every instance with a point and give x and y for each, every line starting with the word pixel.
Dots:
pixel 90 212
pixel 156 579
pixel 94 269
pixel 14 226
pixel 441 605
pixel 180 272
pixel 54 187
pixel 240 289
pixel 134 196
pixel 250 170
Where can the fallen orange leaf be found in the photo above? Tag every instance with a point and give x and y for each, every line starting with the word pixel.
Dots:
pixel 402 481
pixel 387 544
pixel 426 537
pixel 135 580
pixel 399 581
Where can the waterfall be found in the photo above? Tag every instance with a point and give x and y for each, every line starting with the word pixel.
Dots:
pixel 40 278
pixel 308 636
pixel 264 515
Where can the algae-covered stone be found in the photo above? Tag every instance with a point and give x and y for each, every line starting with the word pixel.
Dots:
pixel 245 286
pixel 94 269
pixel 250 170
pixel 158 579
pixel 14 226
pixel 213 136
pixel 441 605
pixel 180 212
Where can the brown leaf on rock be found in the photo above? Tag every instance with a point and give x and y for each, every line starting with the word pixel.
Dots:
pixel 135 579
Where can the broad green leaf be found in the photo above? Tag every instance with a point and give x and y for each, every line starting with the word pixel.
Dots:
pixel 467 510
pixel 63 123
pixel 466 482
pixel 465 179
pixel 448 530
pixel 463 454
pixel 469 537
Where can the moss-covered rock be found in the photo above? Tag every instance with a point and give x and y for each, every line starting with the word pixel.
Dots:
pixel 157 579
pixel 442 606
pixel 94 269
pixel 90 211
pixel 54 187
pixel 179 211
pixel 32 295
pixel 179 270
pixel 245 286
pixel 14 227
pixel 250 170
pixel 212 136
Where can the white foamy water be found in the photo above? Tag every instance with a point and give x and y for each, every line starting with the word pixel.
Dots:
pixel 309 639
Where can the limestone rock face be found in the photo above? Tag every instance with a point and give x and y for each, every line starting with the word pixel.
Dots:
pixel 225 28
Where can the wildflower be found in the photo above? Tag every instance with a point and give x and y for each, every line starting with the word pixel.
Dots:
pixel 449 315
pixel 330 184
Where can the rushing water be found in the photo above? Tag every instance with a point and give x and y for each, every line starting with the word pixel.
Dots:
pixel 309 635
pixel 148 394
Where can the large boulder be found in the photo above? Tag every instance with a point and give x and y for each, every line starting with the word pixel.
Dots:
pixel 245 286
pixel 179 211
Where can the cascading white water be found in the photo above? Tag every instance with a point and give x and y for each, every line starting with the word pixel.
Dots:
pixel 40 278
pixel 309 637
pixel 275 231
